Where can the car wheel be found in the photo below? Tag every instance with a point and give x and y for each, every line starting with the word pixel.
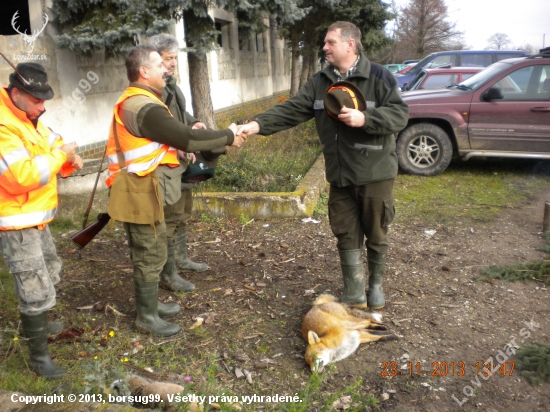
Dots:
pixel 424 149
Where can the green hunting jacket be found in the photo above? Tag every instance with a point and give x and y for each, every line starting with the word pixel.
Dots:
pixel 353 155
pixel 173 95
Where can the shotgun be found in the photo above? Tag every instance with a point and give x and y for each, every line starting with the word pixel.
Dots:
pixel 85 236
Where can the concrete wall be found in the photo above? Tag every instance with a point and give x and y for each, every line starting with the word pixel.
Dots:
pixel 86 88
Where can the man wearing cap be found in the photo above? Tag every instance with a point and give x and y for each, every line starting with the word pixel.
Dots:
pixel 31 155
pixel 357 109
pixel 177 215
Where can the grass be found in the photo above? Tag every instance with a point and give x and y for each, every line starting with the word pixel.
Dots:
pixel 274 163
pixel 468 191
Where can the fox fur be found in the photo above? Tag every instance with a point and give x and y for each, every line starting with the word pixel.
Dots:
pixel 334 331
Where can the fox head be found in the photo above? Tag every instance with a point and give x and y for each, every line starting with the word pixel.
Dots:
pixel 317 354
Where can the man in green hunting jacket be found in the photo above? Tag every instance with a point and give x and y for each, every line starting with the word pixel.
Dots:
pixel 359 150
pixel 177 215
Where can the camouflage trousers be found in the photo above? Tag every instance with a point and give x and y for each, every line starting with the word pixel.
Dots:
pixel 31 258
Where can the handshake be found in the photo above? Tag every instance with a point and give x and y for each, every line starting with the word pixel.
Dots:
pixel 243 131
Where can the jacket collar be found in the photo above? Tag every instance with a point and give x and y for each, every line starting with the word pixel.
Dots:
pixel 156 92
pixel 17 112
pixel 363 70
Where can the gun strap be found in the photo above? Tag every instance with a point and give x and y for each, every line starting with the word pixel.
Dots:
pixel 87 213
pixel 119 154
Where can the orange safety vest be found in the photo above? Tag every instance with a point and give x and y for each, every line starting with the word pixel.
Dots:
pixel 29 163
pixel 141 155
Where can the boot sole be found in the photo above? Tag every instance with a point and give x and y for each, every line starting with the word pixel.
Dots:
pixel 145 330
pixel 377 307
pixel 357 305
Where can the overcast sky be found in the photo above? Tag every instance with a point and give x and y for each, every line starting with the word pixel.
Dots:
pixel 524 21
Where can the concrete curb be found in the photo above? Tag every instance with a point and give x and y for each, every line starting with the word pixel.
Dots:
pixel 299 203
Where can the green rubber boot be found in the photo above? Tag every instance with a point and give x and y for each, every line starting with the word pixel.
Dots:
pixel 353 272
pixel 35 331
pixel 55 328
pixel 169 278
pixel 167 310
pixel 377 263
pixel 182 260
pixel 147 303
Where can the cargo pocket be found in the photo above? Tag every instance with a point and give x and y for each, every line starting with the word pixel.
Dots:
pixel 389 212
pixel 34 286
pixel 170 183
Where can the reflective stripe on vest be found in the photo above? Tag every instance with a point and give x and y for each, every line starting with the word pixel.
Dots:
pixel 52 137
pixel 141 155
pixel 43 169
pixel 12 157
pixel 27 219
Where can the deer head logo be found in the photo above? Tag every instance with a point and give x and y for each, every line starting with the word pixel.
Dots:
pixel 28 39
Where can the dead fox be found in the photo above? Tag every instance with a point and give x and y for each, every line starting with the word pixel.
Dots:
pixel 334 331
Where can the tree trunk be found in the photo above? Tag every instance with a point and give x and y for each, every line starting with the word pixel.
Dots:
pixel 313 54
pixel 295 69
pixel 200 89
pixel 305 67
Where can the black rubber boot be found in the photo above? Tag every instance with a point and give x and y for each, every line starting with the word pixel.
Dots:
pixel 169 278
pixel 35 331
pixel 147 303
pixel 353 272
pixel 182 260
pixel 377 264
pixel 167 310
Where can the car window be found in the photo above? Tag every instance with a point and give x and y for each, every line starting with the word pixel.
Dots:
pixel 476 59
pixel 416 80
pixel 446 59
pixel 543 84
pixel 466 76
pixel 504 56
pixel 439 81
pixel 514 86
pixel 479 79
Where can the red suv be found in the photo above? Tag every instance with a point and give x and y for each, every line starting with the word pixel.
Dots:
pixel 502 111
pixel 427 79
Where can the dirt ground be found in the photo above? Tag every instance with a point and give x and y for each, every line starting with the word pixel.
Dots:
pixel 264 274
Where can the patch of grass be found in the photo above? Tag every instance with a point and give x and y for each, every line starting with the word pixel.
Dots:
pixel 62 224
pixel 321 208
pixel 274 163
pixel 466 191
pixel 534 362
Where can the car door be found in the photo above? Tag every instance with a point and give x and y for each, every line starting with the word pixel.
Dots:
pixel 520 121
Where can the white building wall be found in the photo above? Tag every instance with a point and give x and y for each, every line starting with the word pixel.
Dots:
pixel 86 88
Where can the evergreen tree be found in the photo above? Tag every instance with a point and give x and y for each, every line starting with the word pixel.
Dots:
pixel 118 25
pixel 370 16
